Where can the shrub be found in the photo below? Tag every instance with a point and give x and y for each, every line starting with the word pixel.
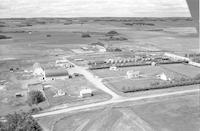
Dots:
pixel 35 97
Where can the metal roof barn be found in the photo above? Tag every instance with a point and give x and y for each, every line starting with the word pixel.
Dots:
pixel 56 73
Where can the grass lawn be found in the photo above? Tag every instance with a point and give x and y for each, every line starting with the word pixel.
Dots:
pixel 72 88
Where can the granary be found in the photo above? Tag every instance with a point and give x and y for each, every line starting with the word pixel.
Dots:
pixel 163 76
pixel 131 74
pixel 38 70
pixel 86 92
pixel 53 74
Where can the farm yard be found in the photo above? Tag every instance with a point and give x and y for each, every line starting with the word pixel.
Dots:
pixel 147 77
pixel 84 41
pixel 71 89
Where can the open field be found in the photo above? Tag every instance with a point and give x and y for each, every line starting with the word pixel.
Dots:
pixel 168 113
pixel 178 114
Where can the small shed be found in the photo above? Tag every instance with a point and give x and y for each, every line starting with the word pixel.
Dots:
pixel 86 92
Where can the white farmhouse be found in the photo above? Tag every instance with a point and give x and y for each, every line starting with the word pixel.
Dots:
pixel 163 76
pixel 131 74
pixel 37 70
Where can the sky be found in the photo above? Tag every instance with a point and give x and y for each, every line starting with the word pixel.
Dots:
pixel 93 8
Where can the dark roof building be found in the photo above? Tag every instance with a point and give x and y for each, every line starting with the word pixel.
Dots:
pixel 56 73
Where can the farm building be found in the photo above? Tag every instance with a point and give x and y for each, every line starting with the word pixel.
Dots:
pixel 53 74
pixel 86 92
pixel 63 63
pixel 163 76
pixel 38 70
pixel 131 74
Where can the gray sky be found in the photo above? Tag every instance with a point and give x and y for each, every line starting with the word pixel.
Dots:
pixel 93 8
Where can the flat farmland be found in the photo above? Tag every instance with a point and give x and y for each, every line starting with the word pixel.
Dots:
pixel 108 119
pixel 180 113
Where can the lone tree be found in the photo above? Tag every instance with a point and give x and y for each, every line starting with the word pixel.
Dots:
pixel 35 97
pixel 19 122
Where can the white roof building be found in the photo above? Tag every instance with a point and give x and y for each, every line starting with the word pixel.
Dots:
pixel 130 74
pixel 164 77
pixel 86 92
pixel 37 70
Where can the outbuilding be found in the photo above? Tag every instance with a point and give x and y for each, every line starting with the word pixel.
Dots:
pixel 38 70
pixel 86 92
pixel 53 74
